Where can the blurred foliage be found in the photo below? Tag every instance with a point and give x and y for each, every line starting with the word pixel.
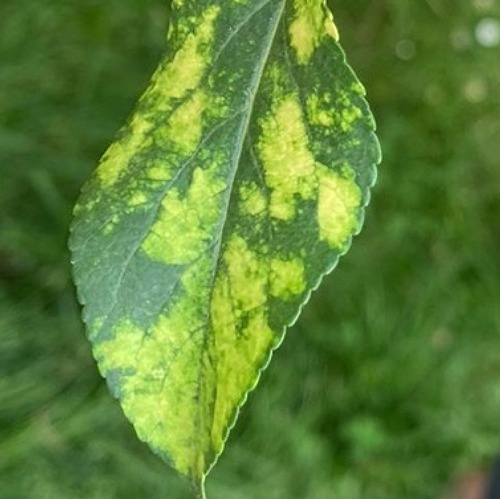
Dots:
pixel 388 385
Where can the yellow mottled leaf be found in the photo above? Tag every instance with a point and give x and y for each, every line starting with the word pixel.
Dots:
pixel 235 186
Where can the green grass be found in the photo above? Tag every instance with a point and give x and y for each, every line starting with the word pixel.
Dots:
pixel 388 385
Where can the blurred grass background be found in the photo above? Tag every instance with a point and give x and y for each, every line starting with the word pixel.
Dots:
pixel 389 384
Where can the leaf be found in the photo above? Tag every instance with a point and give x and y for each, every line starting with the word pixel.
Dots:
pixel 235 186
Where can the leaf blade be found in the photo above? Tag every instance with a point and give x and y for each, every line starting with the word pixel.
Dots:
pixel 232 191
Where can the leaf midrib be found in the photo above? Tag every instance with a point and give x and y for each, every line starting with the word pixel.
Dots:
pixel 242 135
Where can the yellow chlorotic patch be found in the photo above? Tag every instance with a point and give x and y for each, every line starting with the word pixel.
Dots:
pixel 182 404
pixel 358 88
pixel 240 347
pixel 159 170
pixel 318 113
pixel 321 111
pixel 185 125
pixel 247 273
pixel 348 117
pixel 137 199
pixel 252 201
pixel 312 22
pixel 219 107
pixel 339 202
pixel 241 333
pixel 288 163
pixel 115 354
pixel 159 397
pixel 161 389
pixel 110 225
pixel 118 156
pixel 186 69
pixel 287 278
pixel 185 226
pixel 277 77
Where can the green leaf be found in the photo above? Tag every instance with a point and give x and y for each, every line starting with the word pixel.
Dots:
pixel 235 186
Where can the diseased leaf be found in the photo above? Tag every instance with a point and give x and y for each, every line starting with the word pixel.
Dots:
pixel 235 186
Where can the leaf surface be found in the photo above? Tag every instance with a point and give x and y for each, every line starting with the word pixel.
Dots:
pixel 234 187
